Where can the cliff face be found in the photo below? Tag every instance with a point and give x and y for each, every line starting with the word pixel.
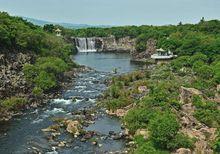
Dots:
pixel 112 44
pixel 105 44
pixel 12 81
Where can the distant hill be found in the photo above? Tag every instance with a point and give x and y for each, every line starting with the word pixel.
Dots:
pixel 66 25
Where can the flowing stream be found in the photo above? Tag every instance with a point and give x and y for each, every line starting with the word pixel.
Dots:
pixel 23 134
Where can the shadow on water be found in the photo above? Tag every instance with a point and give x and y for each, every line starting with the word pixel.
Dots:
pixel 23 134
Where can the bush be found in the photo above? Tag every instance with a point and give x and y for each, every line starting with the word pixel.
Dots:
pixel 163 129
pixel 121 102
pixel 216 69
pixel 30 72
pixel 148 148
pixel 216 145
pixel 180 141
pixel 138 118
pixel 13 103
pixel 180 62
pixel 205 72
pixel 51 64
pixel 206 112
pixel 198 57
pixel 37 91
pixel 45 80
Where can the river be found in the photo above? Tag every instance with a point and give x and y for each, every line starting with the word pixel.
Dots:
pixel 23 133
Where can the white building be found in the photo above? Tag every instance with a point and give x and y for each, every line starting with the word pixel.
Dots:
pixel 161 54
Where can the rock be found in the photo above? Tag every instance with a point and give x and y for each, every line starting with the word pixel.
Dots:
pixel 112 44
pixel 202 147
pixel 142 132
pixel 73 127
pixel 188 108
pixel 209 133
pixel 111 133
pixel 94 143
pixel 131 143
pixel 49 129
pixel 118 112
pixel 55 134
pixel 88 135
pixel 183 151
pixel 186 94
pixel 143 89
pixel 218 88
pixel 62 144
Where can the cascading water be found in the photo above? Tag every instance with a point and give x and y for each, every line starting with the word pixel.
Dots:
pixel 86 44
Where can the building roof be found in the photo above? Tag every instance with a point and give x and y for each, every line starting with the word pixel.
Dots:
pixel 58 30
pixel 160 50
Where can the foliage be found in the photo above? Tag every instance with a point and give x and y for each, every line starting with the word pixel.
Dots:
pixel 13 103
pixel 138 118
pixel 163 129
pixel 216 144
pixel 148 148
pixel 37 91
pixel 207 112
pixel 180 141
pixel 183 39
pixel 45 80
pixel 45 72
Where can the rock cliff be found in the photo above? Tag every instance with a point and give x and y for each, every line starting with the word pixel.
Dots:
pixel 111 44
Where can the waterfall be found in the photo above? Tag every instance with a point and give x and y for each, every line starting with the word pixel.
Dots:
pixel 86 44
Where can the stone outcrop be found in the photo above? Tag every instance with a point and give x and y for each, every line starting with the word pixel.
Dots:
pixel 111 44
pixel 183 151
pixel 73 127
pixel 145 55
pixel 186 94
pixel 12 81
pixel 191 126
pixel 120 112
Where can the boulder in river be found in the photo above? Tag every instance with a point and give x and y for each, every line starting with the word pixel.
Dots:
pixel 73 127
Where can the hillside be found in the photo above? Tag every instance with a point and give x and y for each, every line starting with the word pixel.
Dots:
pixel 32 64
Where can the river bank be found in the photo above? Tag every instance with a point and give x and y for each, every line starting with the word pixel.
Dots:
pixel 14 84
pixel 98 132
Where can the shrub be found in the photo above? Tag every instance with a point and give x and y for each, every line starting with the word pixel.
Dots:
pixel 121 102
pixel 183 61
pixel 163 129
pixel 216 145
pixel 37 91
pixel 196 65
pixel 205 71
pixel 216 69
pixel 45 80
pixel 198 57
pixel 30 72
pixel 138 118
pixel 180 141
pixel 13 103
pixel 51 64
pixel 206 112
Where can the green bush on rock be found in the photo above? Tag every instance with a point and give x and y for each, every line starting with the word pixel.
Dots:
pixel 13 103
pixel 45 80
pixel 163 129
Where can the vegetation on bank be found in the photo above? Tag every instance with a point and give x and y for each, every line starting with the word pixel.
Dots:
pixel 49 53
pixel 158 109
pixel 182 39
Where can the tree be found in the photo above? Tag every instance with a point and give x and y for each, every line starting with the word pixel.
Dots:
pixel 163 129
pixel 49 28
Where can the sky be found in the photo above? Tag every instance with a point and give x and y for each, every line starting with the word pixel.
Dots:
pixel 115 12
